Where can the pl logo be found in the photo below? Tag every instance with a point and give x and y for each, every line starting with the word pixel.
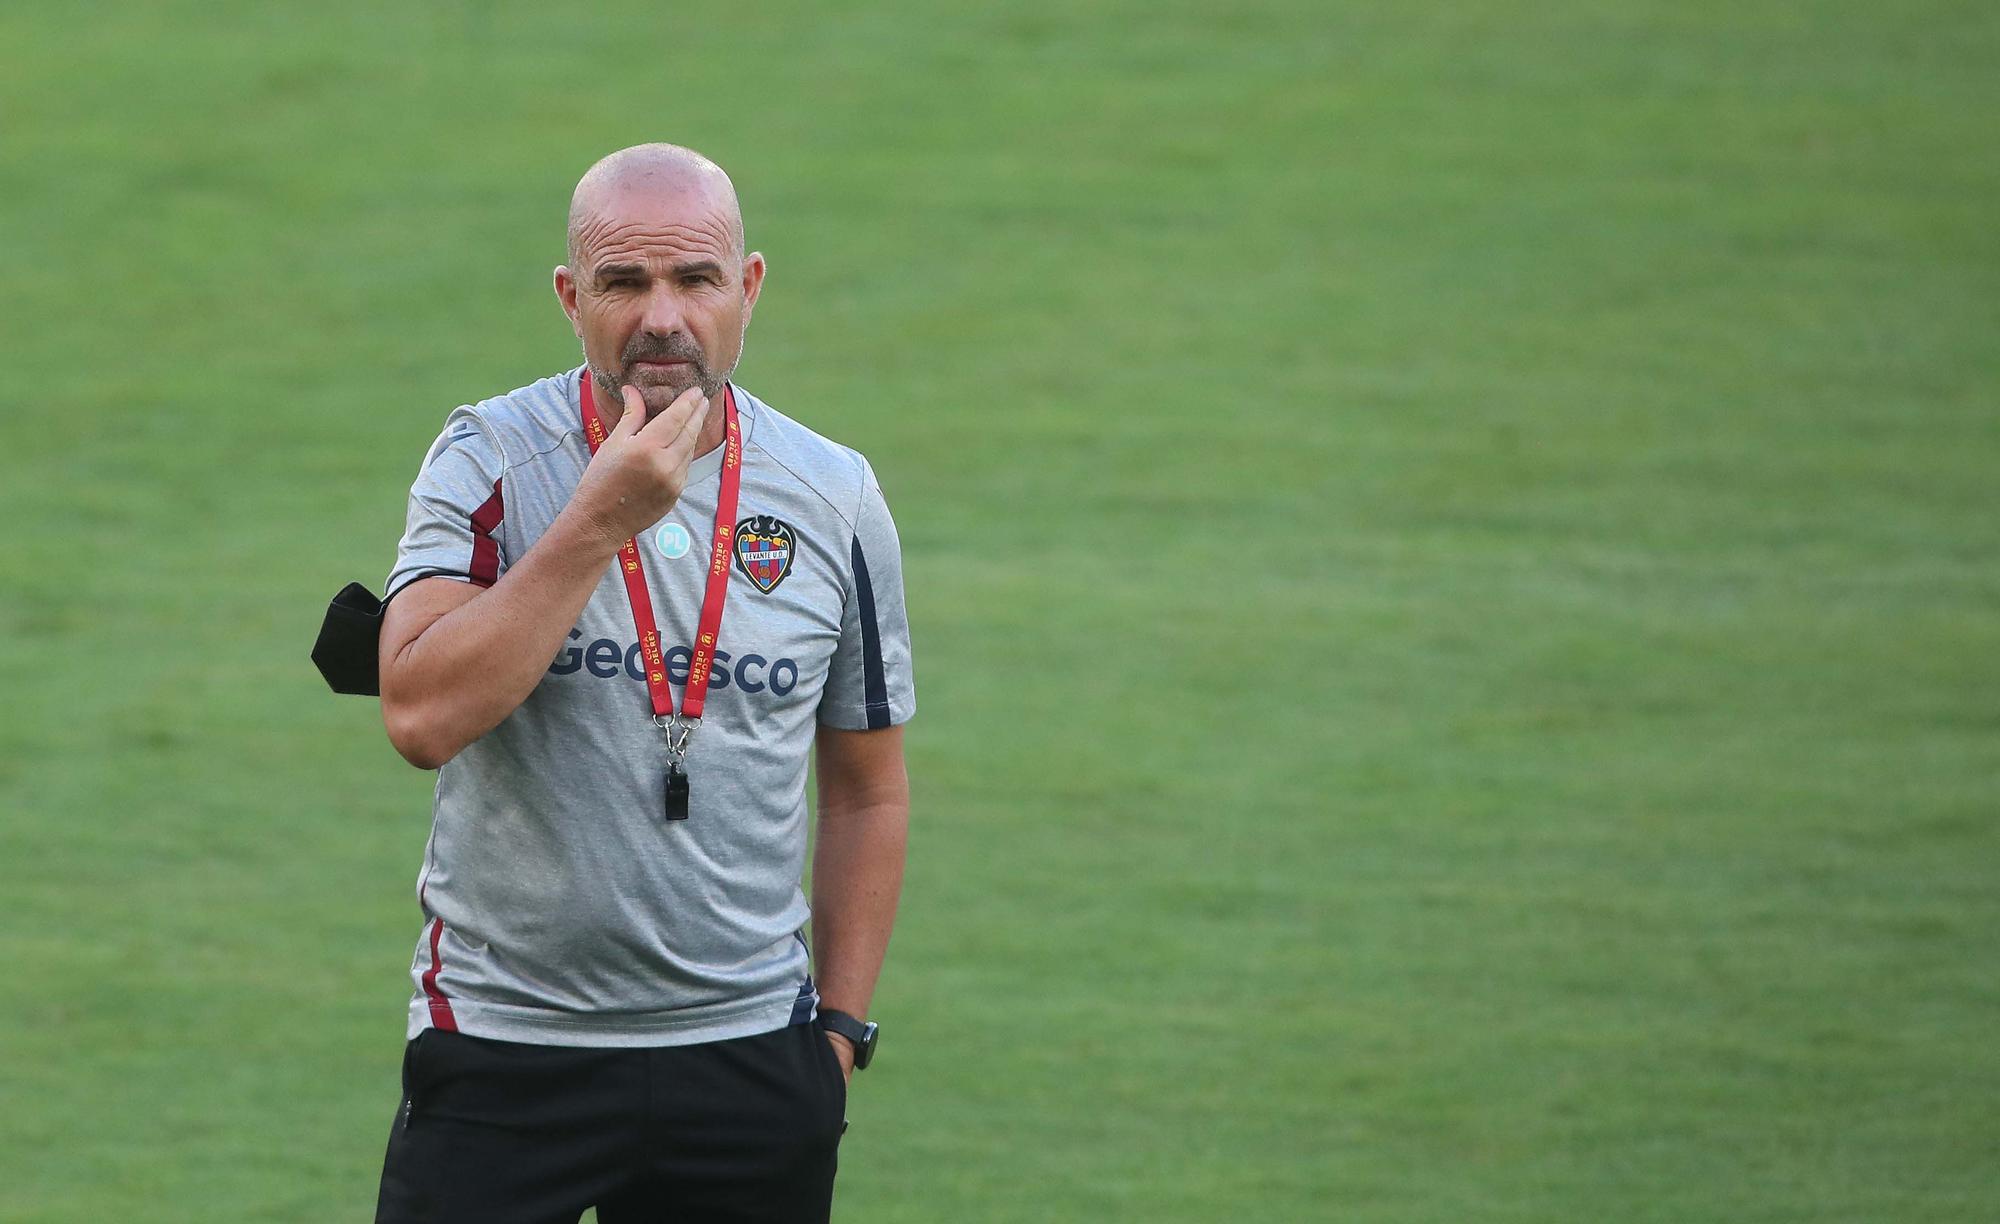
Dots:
pixel 764 550
pixel 673 541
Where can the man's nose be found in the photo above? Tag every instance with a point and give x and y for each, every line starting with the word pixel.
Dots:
pixel 663 310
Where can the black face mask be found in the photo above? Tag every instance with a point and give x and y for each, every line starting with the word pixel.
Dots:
pixel 349 640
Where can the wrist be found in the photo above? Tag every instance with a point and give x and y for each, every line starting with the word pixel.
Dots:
pixel 590 531
pixel 861 1036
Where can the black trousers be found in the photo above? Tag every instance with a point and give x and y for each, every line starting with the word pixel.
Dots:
pixel 504 1133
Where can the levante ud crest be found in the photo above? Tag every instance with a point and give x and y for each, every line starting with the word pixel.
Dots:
pixel 764 550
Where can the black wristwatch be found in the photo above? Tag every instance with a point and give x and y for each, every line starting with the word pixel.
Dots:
pixel 861 1033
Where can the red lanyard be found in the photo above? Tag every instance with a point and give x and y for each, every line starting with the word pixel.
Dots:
pixel 710 627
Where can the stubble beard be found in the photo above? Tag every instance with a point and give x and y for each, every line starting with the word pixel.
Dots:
pixel 661 390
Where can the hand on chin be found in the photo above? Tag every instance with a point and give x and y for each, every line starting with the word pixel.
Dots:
pixel 660 387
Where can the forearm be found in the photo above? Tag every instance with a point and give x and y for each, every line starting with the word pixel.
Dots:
pixel 471 667
pixel 857 880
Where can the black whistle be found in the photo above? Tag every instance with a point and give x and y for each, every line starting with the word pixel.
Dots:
pixel 677 793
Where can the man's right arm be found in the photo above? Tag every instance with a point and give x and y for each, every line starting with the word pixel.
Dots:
pixel 457 658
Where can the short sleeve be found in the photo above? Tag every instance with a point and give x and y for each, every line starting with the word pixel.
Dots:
pixel 869 684
pixel 456 507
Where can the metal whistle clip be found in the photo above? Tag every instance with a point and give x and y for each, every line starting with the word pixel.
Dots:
pixel 679 731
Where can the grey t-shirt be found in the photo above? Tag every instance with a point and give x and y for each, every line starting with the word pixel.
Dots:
pixel 560 906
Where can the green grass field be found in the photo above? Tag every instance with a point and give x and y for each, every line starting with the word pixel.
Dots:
pixel 1453 554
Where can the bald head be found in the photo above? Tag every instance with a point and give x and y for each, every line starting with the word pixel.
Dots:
pixel 658 287
pixel 651 173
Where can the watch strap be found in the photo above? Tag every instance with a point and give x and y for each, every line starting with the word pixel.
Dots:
pixel 859 1032
pixel 840 1022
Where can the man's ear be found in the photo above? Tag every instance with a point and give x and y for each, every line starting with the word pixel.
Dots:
pixel 566 297
pixel 753 281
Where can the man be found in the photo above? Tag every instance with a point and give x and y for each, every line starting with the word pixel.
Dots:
pixel 628 598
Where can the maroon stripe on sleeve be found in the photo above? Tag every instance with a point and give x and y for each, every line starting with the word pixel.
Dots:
pixel 485 568
pixel 441 1016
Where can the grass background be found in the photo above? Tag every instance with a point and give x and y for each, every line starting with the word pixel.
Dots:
pixel 1452 552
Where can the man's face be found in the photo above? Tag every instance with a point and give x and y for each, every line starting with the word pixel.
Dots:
pixel 660 294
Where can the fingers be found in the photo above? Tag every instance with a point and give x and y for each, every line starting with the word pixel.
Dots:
pixel 684 441
pixel 663 428
pixel 635 412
